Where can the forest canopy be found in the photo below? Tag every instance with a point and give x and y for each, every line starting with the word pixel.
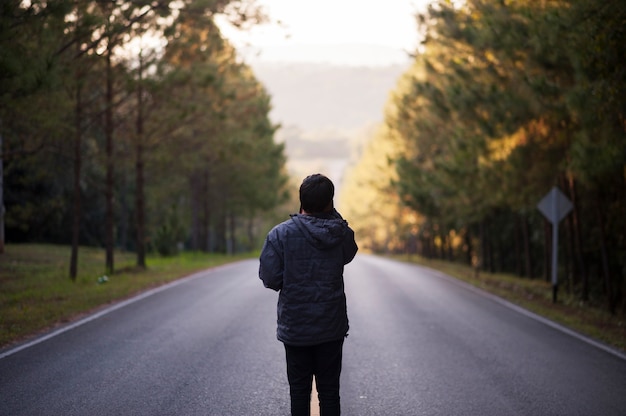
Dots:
pixel 133 125
pixel 505 100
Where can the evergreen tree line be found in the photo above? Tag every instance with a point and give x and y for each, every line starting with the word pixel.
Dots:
pixel 133 125
pixel 504 100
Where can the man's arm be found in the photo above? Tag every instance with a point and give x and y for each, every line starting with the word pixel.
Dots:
pixel 271 266
pixel 349 247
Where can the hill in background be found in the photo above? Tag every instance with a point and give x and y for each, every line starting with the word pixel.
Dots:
pixel 318 97
pixel 325 109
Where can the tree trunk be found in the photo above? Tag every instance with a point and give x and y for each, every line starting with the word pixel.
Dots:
pixel 109 221
pixel 570 266
pixel 577 237
pixel 220 233
pixel 206 218
pixel 251 234
pixel 1 191
pixel 442 245
pixel 77 171
pixel 231 233
pixel 469 246
pixel 518 245
pixel 483 247
pixel 196 209
pixel 604 256
pixel 528 261
pixel 139 175
pixel 547 249
pixel 428 243
pixel 487 252
pixel 490 253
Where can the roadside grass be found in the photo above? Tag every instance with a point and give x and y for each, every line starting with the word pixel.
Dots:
pixel 37 294
pixel 590 319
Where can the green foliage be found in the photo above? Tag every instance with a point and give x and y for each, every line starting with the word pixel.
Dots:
pixel 169 235
pixel 223 142
pixel 503 102
pixel 207 145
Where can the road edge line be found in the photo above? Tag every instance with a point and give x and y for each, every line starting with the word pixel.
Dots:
pixel 118 305
pixel 528 313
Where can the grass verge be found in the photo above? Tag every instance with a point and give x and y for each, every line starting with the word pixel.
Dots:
pixel 37 294
pixel 536 295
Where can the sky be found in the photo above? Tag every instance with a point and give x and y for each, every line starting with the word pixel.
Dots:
pixel 353 32
pixel 373 33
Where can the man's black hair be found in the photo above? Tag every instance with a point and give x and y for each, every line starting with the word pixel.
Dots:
pixel 316 194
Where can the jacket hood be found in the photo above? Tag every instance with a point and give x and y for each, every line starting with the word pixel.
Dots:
pixel 323 231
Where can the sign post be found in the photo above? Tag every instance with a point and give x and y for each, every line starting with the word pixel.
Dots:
pixel 555 206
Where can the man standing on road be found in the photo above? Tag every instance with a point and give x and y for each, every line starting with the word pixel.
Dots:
pixel 303 258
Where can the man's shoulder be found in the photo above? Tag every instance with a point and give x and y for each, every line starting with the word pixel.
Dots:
pixel 282 227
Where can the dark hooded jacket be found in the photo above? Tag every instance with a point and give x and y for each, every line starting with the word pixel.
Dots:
pixel 303 258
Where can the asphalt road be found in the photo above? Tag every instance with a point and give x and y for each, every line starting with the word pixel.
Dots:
pixel 420 344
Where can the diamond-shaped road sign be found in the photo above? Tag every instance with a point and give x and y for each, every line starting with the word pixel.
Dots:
pixel 555 205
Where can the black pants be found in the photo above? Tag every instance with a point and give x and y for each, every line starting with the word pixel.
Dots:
pixel 322 361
